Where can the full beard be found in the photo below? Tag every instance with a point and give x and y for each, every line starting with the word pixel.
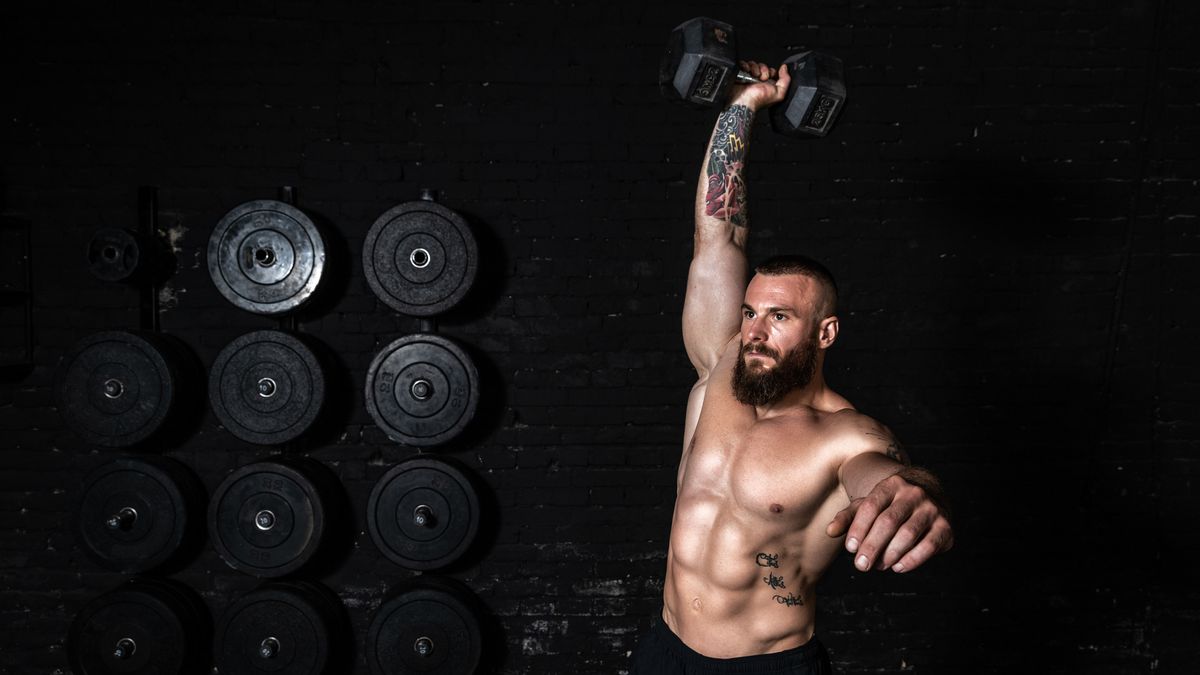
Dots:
pixel 764 387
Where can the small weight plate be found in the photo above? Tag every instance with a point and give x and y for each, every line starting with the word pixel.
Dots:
pixel 151 626
pixel 423 514
pixel 422 390
pixel 116 388
pixel 136 514
pixel 281 627
pixel 268 519
pixel 420 258
pixel 266 387
pixel 266 257
pixel 114 254
pixel 429 628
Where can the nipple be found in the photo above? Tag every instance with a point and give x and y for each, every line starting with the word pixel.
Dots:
pixel 776 508
pixel 696 604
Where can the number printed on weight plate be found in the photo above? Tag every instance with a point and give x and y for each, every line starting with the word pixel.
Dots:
pixel 272 483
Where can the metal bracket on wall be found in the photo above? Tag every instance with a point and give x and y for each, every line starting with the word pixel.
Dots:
pixel 148 228
pixel 16 299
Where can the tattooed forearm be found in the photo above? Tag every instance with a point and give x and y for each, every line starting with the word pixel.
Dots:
pixel 726 194
pixel 776 582
pixel 894 449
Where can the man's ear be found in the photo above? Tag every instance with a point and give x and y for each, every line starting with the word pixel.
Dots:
pixel 827 332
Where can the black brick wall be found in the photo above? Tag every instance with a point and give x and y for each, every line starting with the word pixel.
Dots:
pixel 1008 202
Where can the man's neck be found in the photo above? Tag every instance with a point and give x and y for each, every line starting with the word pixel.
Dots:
pixel 808 396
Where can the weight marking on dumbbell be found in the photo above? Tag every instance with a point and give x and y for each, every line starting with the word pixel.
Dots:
pixel 423 646
pixel 266 387
pixel 822 111
pixel 710 83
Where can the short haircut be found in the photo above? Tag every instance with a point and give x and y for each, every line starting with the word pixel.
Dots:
pixel 798 264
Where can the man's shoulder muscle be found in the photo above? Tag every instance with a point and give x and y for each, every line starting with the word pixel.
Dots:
pixel 855 433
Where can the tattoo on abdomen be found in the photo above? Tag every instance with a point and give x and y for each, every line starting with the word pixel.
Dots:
pixel 777 582
pixel 725 197
pixel 767 560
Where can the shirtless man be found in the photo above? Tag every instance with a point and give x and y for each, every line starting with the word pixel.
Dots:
pixel 776 467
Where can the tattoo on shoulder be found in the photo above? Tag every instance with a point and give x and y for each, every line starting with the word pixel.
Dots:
pixel 894 449
pixel 776 581
pixel 725 197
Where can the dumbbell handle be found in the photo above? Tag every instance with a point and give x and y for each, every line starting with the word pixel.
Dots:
pixel 747 78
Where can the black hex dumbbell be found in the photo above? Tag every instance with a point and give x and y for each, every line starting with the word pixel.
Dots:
pixel 700 65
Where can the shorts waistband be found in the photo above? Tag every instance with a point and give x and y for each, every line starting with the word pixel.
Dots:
pixel 784 661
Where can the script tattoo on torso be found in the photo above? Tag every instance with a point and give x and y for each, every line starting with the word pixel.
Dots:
pixel 776 581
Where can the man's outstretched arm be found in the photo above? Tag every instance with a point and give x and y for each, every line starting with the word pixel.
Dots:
pixel 717 277
pixel 897 518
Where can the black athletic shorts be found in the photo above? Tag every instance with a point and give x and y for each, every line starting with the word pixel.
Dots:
pixel 661 652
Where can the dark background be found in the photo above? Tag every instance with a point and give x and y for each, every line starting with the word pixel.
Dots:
pixel 1008 202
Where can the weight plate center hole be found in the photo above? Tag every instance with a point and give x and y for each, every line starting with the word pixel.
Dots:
pixel 123 519
pixel 419 258
pixel 265 257
pixel 264 520
pixel 423 646
pixel 125 648
pixel 267 387
pixel 113 388
pixel 423 516
pixel 422 389
pixel 268 648
pixel 110 253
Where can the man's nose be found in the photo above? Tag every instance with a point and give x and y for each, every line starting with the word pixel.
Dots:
pixel 756 332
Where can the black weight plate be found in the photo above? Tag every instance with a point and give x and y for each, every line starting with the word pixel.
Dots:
pixel 423 514
pixel 114 254
pixel 266 257
pixel 135 514
pixel 140 627
pixel 283 628
pixel 422 390
pixel 429 628
pixel 267 519
pixel 117 388
pixel 420 258
pixel 266 387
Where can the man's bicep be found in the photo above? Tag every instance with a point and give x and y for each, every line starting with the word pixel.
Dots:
pixel 871 452
pixel 712 306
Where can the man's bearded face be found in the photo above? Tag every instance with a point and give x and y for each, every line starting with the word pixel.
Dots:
pixel 756 385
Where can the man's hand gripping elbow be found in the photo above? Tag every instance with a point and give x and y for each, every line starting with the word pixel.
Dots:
pixel 898 525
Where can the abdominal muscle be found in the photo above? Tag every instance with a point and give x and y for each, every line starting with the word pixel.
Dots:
pixel 735 587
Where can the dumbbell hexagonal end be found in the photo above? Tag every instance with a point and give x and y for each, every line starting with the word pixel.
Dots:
pixel 815 97
pixel 699 64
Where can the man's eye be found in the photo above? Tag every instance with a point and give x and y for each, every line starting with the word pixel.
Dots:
pixel 748 314
pixel 780 317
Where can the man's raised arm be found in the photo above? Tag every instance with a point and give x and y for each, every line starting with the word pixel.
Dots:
pixel 717 277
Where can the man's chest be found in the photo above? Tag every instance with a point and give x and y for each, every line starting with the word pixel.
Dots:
pixel 776 470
